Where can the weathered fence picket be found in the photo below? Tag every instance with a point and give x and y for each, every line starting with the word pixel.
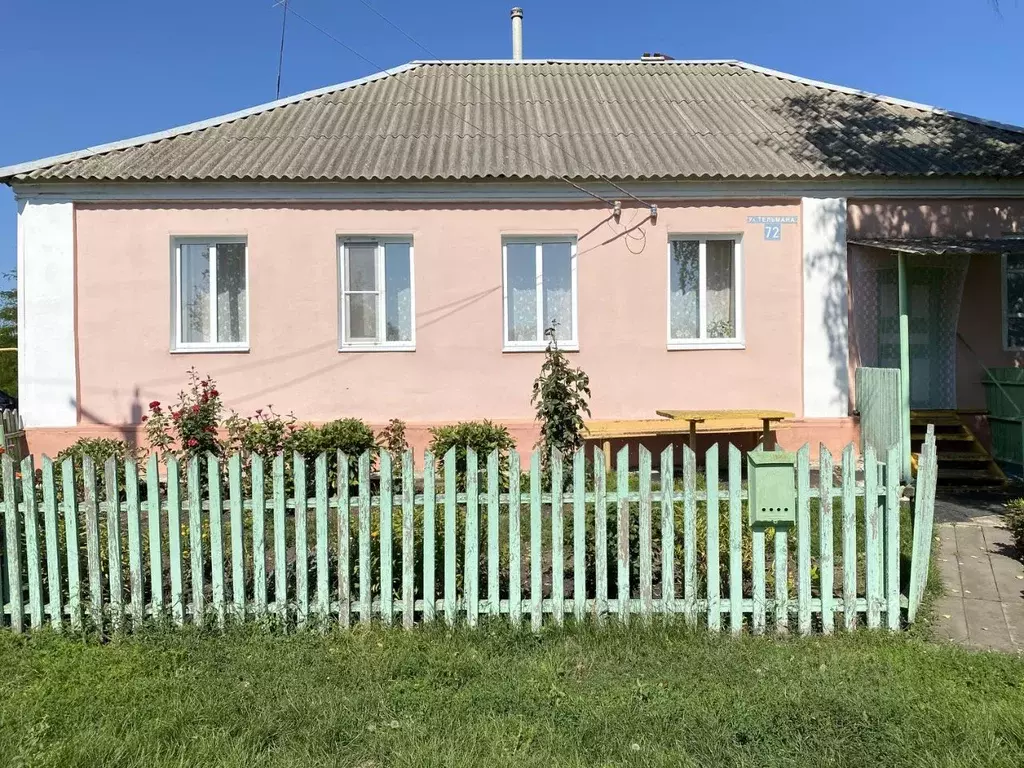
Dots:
pixel 515 545
pixel 213 478
pixel 259 536
pixel 131 490
pixel 681 541
pixel 803 543
pixel 323 593
pixel 92 543
pixel 826 563
pixel 69 506
pixel 714 596
pixel 53 566
pixel 173 535
pixel 536 542
pixel 195 541
pixel 344 542
pixel 387 508
pixel 471 558
pixel 429 538
pixel 237 545
pixel 280 540
pixel 408 540
pixel 31 528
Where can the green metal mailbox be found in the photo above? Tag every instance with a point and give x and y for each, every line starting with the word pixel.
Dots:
pixel 771 488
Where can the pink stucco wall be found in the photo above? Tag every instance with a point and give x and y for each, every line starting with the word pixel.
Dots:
pixel 980 323
pixel 458 370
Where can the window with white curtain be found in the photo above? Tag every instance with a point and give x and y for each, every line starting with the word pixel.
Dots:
pixel 705 284
pixel 377 307
pixel 211 297
pixel 539 292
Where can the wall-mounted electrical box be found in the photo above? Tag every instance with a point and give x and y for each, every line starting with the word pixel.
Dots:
pixel 771 488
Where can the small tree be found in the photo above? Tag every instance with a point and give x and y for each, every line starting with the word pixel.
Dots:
pixel 560 395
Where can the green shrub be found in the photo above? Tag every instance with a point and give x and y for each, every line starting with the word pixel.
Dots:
pixel 263 434
pixel 392 437
pixel 1015 522
pixel 99 449
pixel 482 436
pixel 351 436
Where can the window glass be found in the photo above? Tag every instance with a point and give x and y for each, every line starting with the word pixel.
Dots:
pixel 231 293
pixel 557 280
pixel 721 317
pixel 521 284
pixel 703 290
pixel 195 293
pixel 398 284
pixel 362 269
pixel 684 301
pixel 376 294
pixel 362 317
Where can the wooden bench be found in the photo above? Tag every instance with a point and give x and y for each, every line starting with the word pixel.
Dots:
pixel 684 423
pixel 763 420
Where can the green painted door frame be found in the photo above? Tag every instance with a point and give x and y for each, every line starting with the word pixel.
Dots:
pixel 904 364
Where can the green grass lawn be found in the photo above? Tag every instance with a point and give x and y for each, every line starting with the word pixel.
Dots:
pixel 657 696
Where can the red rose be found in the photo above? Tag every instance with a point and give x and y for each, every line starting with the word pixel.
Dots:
pixel 195 408
pixel 176 415
pixel 192 442
pixel 145 419
pixel 214 393
pixel 155 404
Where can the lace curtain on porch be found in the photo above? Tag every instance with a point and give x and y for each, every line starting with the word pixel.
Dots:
pixel 935 284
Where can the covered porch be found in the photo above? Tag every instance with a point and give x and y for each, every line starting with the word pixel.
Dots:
pixel 934 308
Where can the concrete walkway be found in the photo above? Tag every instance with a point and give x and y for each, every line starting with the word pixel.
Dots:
pixel 983 578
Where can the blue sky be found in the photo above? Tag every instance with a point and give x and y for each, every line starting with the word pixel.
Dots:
pixel 74 74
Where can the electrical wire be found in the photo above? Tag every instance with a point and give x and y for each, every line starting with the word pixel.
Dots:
pixel 280 53
pixel 500 106
pixel 375 65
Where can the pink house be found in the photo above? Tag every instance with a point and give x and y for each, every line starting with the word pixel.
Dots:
pixel 704 234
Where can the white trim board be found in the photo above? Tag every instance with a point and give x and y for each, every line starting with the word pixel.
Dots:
pixel 47 373
pixel 826 351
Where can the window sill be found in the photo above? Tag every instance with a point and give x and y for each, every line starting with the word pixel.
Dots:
pixel 675 346
pixel 567 347
pixel 378 348
pixel 206 349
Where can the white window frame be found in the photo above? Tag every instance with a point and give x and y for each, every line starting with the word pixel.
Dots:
pixel 703 342
pixel 1006 308
pixel 383 345
pixel 569 345
pixel 177 344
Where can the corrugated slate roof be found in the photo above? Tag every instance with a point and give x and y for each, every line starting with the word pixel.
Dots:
pixel 549 119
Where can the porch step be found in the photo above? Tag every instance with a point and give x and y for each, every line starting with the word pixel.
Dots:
pixel 949 437
pixel 968 476
pixel 962 459
pixel 962 456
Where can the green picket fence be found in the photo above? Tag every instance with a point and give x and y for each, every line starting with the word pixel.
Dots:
pixel 303 542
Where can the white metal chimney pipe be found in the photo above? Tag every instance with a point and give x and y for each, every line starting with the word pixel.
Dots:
pixel 517 34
